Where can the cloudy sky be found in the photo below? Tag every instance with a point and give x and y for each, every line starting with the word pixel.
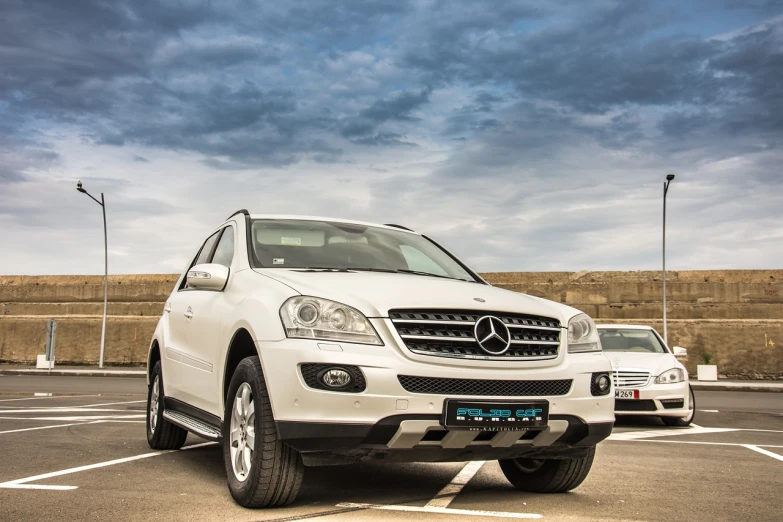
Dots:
pixel 524 135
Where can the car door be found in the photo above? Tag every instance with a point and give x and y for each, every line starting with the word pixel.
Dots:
pixel 208 315
pixel 178 352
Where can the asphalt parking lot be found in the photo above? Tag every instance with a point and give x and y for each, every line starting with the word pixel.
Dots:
pixel 77 450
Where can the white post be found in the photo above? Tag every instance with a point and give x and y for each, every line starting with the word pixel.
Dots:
pixel 105 282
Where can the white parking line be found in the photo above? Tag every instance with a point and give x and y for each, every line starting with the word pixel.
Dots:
pixel 50 397
pixel 699 442
pixel 78 417
pixel 23 481
pixel 64 409
pixel 103 404
pixel 764 452
pixel 440 510
pixel 693 430
pixel 452 489
pixel 45 427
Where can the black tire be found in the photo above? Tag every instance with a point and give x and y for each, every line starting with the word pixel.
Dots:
pixel 275 469
pixel 161 434
pixel 683 421
pixel 547 475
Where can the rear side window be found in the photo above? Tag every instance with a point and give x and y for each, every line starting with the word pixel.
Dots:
pixel 224 253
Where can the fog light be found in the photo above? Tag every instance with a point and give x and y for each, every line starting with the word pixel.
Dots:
pixel 601 384
pixel 336 378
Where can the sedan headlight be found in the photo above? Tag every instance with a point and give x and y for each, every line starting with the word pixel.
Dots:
pixel 670 376
pixel 582 335
pixel 316 318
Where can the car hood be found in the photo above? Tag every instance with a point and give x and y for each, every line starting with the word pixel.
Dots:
pixel 655 363
pixel 375 293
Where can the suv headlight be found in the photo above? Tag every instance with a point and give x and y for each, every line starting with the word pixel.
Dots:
pixel 316 318
pixel 670 376
pixel 583 335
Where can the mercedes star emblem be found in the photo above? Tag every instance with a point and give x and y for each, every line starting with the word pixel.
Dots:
pixel 492 335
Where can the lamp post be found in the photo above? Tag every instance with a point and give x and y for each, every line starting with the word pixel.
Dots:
pixel 102 203
pixel 669 178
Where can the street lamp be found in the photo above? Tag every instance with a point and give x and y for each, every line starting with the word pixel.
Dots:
pixel 102 203
pixel 669 178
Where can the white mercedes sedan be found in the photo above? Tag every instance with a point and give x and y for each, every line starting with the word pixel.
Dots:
pixel 648 378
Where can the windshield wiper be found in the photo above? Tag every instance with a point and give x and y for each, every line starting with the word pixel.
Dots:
pixel 406 271
pixel 368 269
pixel 417 272
pixel 321 269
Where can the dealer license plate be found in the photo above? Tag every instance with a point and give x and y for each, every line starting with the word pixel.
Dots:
pixel 626 394
pixel 496 415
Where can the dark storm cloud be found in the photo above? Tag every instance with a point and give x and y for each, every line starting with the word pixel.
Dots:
pixel 362 129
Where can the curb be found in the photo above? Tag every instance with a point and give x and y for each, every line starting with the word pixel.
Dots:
pixel 137 374
pixel 771 388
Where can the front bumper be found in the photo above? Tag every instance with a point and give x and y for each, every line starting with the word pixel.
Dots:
pixel 385 419
pixel 421 438
pixel 654 398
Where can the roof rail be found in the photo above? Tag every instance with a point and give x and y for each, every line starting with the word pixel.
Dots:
pixel 242 211
pixel 398 226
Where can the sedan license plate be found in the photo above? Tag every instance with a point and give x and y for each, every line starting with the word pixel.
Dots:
pixel 626 394
pixel 495 415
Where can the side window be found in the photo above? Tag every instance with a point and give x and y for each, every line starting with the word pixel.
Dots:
pixel 206 250
pixel 419 261
pixel 224 252
pixel 203 255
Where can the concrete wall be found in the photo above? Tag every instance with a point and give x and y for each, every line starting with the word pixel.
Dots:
pixel 736 316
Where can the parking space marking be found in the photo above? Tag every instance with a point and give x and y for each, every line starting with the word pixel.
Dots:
pixel 103 404
pixel 37 397
pixel 78 418
pixel 765 452
pixel 13 484
pixel 440 510
pixel 63 409
pixel 44 427
pixel 452 489
pixel 700 442
pixel 693 430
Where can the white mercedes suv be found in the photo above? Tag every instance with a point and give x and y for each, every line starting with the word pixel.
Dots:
pixel 301 341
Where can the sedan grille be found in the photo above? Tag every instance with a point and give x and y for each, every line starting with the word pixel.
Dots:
pixel 483 387
pixel 630 378
pixel 451 333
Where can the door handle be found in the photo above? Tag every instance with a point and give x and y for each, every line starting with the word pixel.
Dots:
pixel 189 313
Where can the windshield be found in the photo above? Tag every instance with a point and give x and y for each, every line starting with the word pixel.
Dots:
pixel 621 340
pixel 321 245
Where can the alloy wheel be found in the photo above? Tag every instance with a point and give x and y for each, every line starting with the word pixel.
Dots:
pixel 154 404
pixel 243 432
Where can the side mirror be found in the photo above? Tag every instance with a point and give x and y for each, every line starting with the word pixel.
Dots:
pixel 680 352
pixel 209 276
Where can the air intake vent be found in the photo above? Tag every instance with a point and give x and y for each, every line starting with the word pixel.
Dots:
pixel 485 388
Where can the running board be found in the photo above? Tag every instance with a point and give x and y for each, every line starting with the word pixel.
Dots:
pixel 192 425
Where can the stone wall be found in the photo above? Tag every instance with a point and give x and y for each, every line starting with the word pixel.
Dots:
pixel 734 315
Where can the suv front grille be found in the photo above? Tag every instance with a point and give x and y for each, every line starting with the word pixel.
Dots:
pixel 450 333
pixel 483 387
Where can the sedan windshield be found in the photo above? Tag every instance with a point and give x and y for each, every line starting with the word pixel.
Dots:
pixel 621 340
pixel 330 246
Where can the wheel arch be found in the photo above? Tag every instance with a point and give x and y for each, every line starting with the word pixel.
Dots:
pixel 153 356
pixel 242 346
